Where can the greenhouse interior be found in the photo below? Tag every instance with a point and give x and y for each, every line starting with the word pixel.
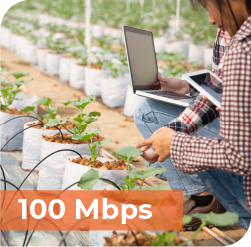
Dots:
pixel 74 119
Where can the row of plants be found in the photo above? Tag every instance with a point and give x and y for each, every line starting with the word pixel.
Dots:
pixel 157 16
pixel 59 168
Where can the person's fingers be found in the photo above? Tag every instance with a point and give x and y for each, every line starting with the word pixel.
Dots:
pixel 161 159
pixel 161 78
pixel 151 158
pixel 146 142
pixel 145 148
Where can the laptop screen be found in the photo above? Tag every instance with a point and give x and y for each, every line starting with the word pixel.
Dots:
pixel 142 59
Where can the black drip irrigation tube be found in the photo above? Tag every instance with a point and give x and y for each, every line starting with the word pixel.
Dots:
pixel 26 129
pixel 21 117
pixel 18 188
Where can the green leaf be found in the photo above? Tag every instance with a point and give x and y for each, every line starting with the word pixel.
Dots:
pixel 187 219
pixel 53 122
pixel 83 102
pixel 128 153
pixel 90 120
pixel 224 219
pixel 130 182
pixel 150 171
pixel 18 75
pixel 86 136
pixel 28 108
pixel 77 136
pixel 123 187
pixel 43 101
pixel 94 114
pixel 53 109
pixel 67 102
pixel 157 187
pixel 103 142
pixel 79 119
pixel 3 70
pixel 88 179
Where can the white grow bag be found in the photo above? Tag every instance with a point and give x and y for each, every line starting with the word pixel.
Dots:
pixel 24 100
pixel 97 31
pixel 113 91
pixel 117 35
pixel 32 145
pixel 159 44
pixel 51 170
pixel 73 173
pixel 41 58
pixel 195 53
pixel 8 130
pixel 92 80
pixel 13 40
pixel 107 31
pixel 30 53
pixel 77 76
pixel 52 63
pixel 65 68
pixel 132 100
pixel 177 46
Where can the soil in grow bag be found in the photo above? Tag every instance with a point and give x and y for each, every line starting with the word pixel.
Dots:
pixel 127 239
pixel 68 139
pixel 68 125
pixel 108 165
pixel 15 111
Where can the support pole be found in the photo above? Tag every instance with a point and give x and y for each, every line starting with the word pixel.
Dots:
pixel 88 10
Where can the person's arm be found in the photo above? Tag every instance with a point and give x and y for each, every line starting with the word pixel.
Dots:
pixel 198 114
pixel 233 153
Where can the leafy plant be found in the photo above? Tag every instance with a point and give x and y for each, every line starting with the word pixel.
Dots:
pixel 117 66
pixel 9 90
pixel 58 46
pixel 167 239
pixel 127 154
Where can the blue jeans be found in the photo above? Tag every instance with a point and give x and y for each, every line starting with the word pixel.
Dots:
pixel 151 115
pixel 228 190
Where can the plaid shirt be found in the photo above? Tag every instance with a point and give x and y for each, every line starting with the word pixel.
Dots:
pixel 232 154
pixel 201 112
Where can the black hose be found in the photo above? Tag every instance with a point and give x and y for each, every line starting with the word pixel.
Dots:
pixel 46 158
pixel 5 182
pixel 20 117
pixel 26 129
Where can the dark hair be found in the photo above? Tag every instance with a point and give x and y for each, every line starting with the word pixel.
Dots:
pixel 219 3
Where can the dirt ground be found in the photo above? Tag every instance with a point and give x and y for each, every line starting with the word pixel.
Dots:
pixel 109 123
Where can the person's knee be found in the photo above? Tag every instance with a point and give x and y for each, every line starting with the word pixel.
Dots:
pixel 138 112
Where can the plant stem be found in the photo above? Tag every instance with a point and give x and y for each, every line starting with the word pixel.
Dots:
pixel 142 182
pixel 39 118
pixel 67 129
pixel 192 237
pixel 63 111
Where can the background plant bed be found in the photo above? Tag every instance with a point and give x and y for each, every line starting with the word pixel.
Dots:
pixel 11 128
pixel 32 142
pixel 52 169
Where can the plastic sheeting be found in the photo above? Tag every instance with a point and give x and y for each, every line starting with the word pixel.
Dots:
pixel 113 91
pixel 92 80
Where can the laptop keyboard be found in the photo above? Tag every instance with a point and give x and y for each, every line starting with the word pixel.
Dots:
pixel 171 95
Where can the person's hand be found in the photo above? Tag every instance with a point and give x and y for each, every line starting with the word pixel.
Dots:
pixel 204 97
pixel 161 143
pixel 174 85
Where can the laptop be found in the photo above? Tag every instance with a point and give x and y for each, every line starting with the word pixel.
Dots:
pixel 143 68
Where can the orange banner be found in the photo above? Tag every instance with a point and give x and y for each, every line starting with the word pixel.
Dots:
pixel 91 210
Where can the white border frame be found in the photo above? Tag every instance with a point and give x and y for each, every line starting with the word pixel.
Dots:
pixel 187 76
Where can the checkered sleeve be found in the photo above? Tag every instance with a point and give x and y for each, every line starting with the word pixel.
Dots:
pixel 233 152
pixel 198 114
